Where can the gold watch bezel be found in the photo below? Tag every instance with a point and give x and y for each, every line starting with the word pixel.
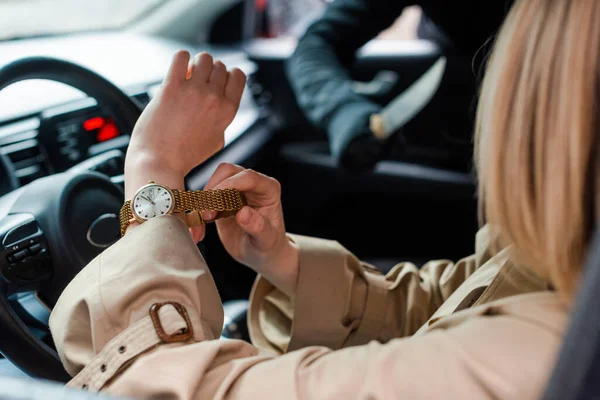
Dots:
pixel 151 183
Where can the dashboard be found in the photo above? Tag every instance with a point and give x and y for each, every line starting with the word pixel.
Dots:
pixel 47 128
pixel 60 138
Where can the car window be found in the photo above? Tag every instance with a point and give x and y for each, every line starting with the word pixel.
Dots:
pixel 290 18
pixel 27 18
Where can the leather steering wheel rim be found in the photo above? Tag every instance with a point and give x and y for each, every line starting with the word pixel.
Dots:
pixel 17 343
pixel 124 108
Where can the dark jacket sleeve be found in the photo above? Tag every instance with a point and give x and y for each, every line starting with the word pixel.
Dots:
pixel 319 68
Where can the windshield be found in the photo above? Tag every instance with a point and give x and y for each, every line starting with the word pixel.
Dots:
pixel 26 18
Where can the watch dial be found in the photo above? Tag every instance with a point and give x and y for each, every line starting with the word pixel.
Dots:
pixel 152 201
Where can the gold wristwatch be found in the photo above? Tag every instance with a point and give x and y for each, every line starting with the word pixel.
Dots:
pixel 154 200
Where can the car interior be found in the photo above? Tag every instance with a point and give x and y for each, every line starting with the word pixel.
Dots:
pixel 69 102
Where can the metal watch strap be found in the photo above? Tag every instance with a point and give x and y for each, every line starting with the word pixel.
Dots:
pixel 226 201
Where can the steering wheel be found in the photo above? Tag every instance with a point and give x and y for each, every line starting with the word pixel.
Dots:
pixel 55 225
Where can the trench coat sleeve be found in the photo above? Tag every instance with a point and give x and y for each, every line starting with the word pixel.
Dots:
pixel 341 301
pixel 109 340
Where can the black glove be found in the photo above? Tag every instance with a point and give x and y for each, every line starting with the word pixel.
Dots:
pixel 362 153
pixel 353 145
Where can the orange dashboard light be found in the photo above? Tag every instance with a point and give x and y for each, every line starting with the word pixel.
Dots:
pixel 107 132
pixel 94 123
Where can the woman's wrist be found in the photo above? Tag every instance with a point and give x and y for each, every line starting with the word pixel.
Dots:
pixel 141 167
pixel 282 270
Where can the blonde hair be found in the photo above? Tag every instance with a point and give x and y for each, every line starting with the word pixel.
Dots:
pixel 536 130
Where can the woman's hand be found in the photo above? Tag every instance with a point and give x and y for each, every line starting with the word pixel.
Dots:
pixel 184 124
pixel 256 237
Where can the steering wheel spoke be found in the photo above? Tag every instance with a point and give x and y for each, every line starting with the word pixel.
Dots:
pixel 25 260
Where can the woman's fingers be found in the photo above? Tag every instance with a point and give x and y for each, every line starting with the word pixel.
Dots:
pixel 258 188
pixel 198 233
pixel 252 183
pixel 209 216
pixel 257 226
pixel 178 68
pixel 218 77
pixel 200 68
pixel 203 69
pixel 222 172
pixel 236 82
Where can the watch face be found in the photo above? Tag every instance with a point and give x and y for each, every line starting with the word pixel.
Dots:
pixel 152 201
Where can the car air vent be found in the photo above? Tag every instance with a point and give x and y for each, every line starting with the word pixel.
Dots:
pixel 19 142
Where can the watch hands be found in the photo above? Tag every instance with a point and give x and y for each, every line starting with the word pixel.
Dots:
pixel 147 199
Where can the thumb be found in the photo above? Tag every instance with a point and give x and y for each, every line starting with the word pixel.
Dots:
pixel 257 226
pixel 197 233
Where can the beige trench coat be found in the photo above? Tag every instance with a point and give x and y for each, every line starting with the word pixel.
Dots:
pixel 481 328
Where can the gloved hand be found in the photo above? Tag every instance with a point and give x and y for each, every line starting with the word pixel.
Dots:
pixel 362 153
pixel 352 144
